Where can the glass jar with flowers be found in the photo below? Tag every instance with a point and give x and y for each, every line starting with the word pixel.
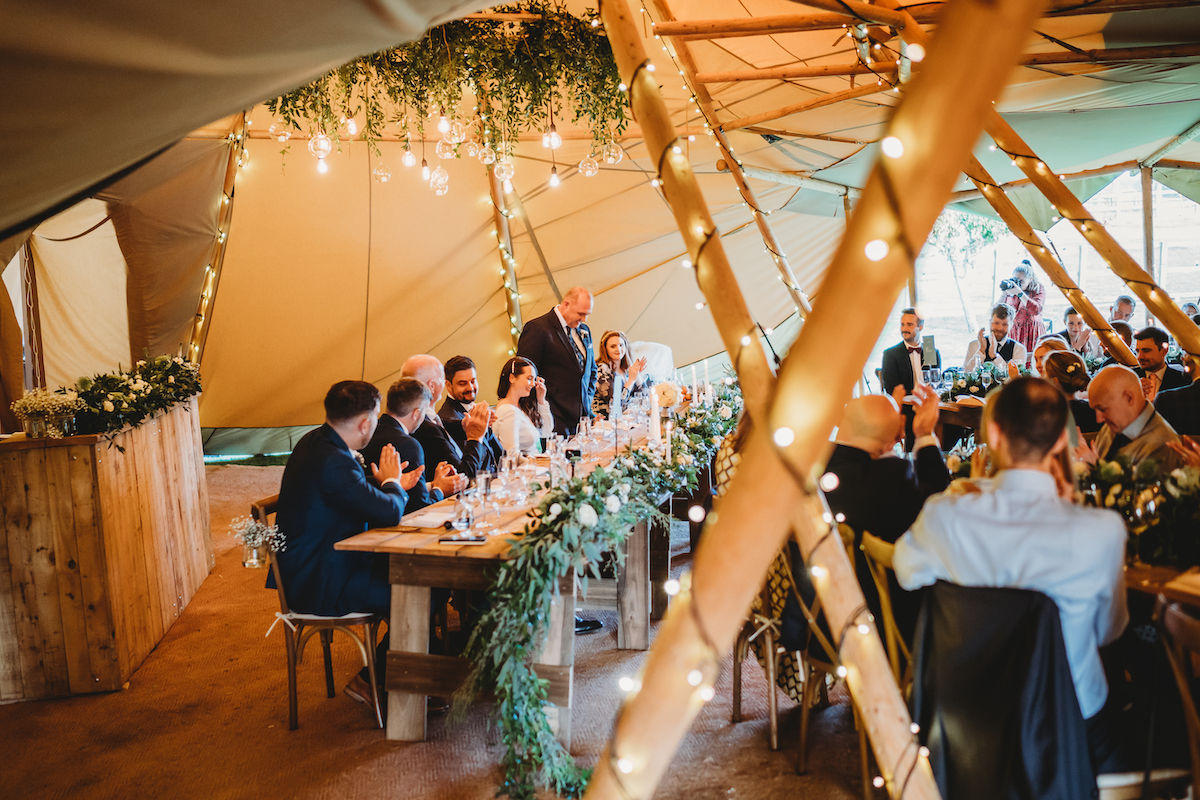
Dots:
pixel 48 414
pixel 258 541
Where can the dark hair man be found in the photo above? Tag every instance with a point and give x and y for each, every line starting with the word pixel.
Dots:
pixel 1017 531
pixel 407 403
pixel 1153 369
pixel 462 390
pixel 902 363
pixel 466 458
pixel 998 349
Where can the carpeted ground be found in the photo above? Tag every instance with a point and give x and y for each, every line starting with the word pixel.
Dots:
pixel 206 716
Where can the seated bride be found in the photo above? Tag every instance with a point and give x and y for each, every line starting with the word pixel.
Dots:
pixel 523 417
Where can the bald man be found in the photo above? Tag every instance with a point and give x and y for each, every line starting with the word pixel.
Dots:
pixel 559 343
pixel 878 492
pixel 1132 427
pixel 439 446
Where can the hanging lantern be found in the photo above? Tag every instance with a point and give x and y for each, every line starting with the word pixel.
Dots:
pixel 322 166
pixel 425 170
pixel 457 132
pixel 351 125
pixel 320 145
pixel 505 169
pixel 486 155
pixel 551 139
pixel 588 167
pixel 382 174
pixel 409 159
pixel 442 189
pixel 279 132
pixel 439 178
pixel 445 149
pixel 612 153
pixel 472 148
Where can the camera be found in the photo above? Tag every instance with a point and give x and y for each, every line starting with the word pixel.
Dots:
pixel 1009 283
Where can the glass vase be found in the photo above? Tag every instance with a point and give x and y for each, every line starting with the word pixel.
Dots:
pixel 34 427
pixel 254 556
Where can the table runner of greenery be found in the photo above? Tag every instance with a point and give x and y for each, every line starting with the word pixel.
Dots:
pixel 572 526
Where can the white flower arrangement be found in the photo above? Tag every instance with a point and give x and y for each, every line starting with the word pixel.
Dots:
pixel 612 504
pixel 553 512
pixel 44 403
pixel 253 533
pixel 726 412
pixel 587 515
pixel 669 395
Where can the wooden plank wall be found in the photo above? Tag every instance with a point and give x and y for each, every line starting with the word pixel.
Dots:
pixel 100 552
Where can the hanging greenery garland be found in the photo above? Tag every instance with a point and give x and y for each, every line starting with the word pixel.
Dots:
pixel 520 71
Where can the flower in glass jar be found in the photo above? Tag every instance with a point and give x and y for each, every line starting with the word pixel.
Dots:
pixel 587 515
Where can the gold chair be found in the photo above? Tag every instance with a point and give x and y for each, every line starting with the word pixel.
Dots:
pixel 298 628
pixel 878 556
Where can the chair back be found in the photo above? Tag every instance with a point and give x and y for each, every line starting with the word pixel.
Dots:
pixel 878 556
pixel 994 697
pixel 261 511
pixel 1181 638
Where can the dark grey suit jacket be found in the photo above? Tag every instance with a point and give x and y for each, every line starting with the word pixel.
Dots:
pixel 570 379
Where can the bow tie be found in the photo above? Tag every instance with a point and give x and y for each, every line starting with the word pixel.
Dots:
pixel 915 349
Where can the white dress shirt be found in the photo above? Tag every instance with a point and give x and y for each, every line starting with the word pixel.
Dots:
pixel 974 358
pixel 1134 429
pixel 513 426
pixel 1019 534
pixel 572 333
pixel 916 361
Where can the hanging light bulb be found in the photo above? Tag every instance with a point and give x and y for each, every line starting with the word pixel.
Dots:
pixel 322 167
pixel 445 149
pixel 424 170
pixel 244 158
pixel 320 145
pixel 409 159
pixel 508 187
pixel 279 132
pixel 439 178
pixel 551 139
pixel 554 181
pixel 444 124
pixel 505 169
pixel 612 153
pixel 588 167
pixel 486 155
pixel 457 132
pixel 351 125
pixel 382 174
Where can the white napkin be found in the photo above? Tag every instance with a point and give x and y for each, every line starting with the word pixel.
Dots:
pixel 429 517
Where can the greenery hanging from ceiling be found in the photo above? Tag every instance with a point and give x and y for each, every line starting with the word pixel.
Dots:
pixel 499 75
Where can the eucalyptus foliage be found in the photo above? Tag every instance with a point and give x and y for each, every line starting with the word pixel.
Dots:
pixel 572 527
pixel 515 71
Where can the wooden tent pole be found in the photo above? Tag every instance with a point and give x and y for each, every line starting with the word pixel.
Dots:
pixel 874 87
pixel 1021 228
pixel 1068 206
pixel 1181 139
pixel 975 194
pixel 508 262
pixel 704 100
pixel 795 71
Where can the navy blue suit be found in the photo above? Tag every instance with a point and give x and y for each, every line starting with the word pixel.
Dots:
pixel 410 450
pixel 1181 408
pixel 451 413
pixel 326 497
pixel 440 446
pixel 1173 378
pixel 570 375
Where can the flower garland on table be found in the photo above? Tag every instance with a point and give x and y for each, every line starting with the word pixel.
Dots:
pixel 971 383
pixel 1161 510
pixel 121 398
pixel 573 525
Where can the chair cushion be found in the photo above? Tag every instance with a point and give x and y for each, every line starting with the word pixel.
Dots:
pixel 354 616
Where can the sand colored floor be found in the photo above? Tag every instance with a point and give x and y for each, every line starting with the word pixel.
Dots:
pixel 206 716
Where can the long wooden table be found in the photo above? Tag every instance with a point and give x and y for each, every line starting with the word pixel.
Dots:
pixel 419 563
pixel 1182 587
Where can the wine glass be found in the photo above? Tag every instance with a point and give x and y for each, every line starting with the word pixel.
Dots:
pixel 463 511
pixel 986 379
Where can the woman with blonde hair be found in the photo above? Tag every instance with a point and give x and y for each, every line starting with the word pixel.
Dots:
pixel 1068 371
pixel 617 377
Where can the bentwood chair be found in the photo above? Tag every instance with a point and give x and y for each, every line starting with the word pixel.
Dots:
pixel 878 556
pixel 298 628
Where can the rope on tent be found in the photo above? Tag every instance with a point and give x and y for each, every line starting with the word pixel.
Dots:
pixel 78 235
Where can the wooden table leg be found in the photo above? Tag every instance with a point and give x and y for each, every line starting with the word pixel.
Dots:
pixel 633 591
pixel 660 567
pixel 558 654
pixel 409 632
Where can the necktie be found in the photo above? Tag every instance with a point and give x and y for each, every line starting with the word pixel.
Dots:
pixel 1119 441
pixel 578 342
pixel 1154 384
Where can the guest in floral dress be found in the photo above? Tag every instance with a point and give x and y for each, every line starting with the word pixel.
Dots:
pixel 1026 296
pixel 616 375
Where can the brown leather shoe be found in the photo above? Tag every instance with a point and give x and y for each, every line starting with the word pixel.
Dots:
pixel 359 690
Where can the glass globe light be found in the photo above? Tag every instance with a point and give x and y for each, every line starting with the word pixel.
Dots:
pixel 472 148
pixel 279 132
pixel 351 125
pixel 320 145
pixel 486 155
pixel 409 159
pixel 505 169
pixel 445 149
pixel 457 132
pixel 612 153
pixel 243 157
pixel 441 189
pixel 439 177
pixel 322 166
pixel 382 174
pixel 588 167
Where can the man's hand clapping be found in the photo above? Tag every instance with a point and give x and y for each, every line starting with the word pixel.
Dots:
pixel 390 466
pixel 925 410
pixel 475 423
pixel 1086 452
pixel 1188 449
pixel 446 480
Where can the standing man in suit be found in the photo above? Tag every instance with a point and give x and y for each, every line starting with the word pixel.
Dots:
pixel 407 403
pixel 559 344
pixel 902 363
pixel 325 497
pixel 1131 425
pixel 462 389
pixel 467 458
pixel 1181 407
pixel 1155 373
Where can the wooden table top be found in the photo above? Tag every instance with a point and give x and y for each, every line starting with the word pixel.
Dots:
pixel 409 539
pixel 1183 587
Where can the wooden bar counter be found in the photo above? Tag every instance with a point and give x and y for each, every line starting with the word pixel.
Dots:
pixel 101 550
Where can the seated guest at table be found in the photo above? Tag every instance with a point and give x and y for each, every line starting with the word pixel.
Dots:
pixel 437 442
pixel 1045 346
pixel 1191 309
pixel 1123 330
pixel 559 345
pixel 617 377
pixel 1181 406
pixel 878 492
pixel 1025 295
pixel 407 402
pixel 1153 369
pixel 1122 309
pixel 325 497
pixel 1069 373
pixel 902 363
pixel 998 349
pixel 1017 531
pixel 523 417
pixel 462 389
pixel 1079 336
pixel 1131 426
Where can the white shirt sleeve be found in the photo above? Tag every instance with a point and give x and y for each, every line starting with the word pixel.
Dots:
pixel 915 559
pixel 547 429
